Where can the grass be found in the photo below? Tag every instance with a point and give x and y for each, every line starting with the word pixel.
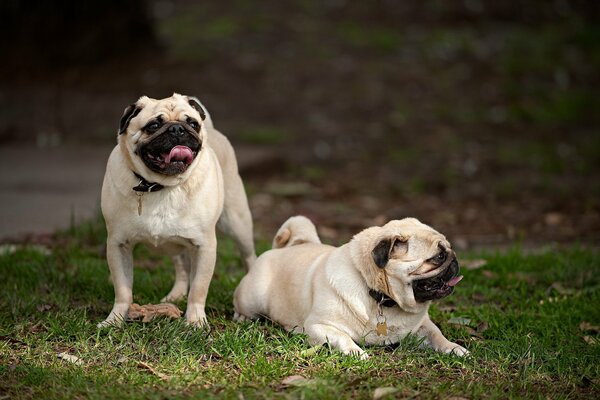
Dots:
pixel 523 314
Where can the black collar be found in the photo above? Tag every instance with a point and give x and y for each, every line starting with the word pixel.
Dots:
pixel 382 298
pixel 145 186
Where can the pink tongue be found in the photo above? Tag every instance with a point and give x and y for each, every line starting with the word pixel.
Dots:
pixel 454 280
pixel 179 153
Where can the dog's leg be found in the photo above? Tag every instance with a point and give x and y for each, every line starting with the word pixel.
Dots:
pixel 120 263
pixel 203 257
pixel 437 341
pixel 236 220
pixel 182 279
pixel 321 333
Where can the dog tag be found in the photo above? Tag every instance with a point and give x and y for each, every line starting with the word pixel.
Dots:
pixel 381 328
pixel 140 203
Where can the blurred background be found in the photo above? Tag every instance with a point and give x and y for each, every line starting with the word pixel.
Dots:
pixel 481 118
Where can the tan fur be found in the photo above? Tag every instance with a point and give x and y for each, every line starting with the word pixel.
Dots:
pixel 323 291
pixel 178 220
pixel 296 230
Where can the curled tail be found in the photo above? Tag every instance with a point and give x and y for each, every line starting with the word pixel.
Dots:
pixel 296 230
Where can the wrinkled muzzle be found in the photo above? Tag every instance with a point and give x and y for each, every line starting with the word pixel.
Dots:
pixel 440 285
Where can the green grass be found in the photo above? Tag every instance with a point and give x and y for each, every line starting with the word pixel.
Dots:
pixel 533 305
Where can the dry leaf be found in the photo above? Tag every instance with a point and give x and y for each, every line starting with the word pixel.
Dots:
pixel 147 367
pixel 482 327
pixel 294 380
pixel 553 218
pixel 311 351
pixel 381 392
pixel 587 327
pixel 592 341
pixel 460 321
pixel 70 358
pixel 489 274
pixel 473 264
pixel 147 312
pixel 44 307
pixel 558 287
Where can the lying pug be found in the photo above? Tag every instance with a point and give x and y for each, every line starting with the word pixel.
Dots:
pixel 376 289
pixel 171 178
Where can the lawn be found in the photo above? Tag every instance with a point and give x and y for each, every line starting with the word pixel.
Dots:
pixel 530 320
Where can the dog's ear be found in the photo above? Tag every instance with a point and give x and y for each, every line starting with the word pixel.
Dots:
pixel 195 103
pixel 281 239
pixel 383 251
pixel 130 113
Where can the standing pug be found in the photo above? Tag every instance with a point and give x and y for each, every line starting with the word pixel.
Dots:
pixel 376 289
pixel 169 181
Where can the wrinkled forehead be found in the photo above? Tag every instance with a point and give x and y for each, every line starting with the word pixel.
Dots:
pixel 421 238
pixel 172 108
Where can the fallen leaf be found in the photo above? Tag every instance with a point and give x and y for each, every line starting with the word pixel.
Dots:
pixel 311 351
pixel 473 264
pixel 489 274
pixel 294 380
pixel 482 327
pixel 148 312
pixel 381 392
pixel 44 307
pixel 592 341
pixel 553 218
pixel 460 321
pixel 587 327
pixel 149 368
pixel 70 358
pixel 559 288
pixel 12 340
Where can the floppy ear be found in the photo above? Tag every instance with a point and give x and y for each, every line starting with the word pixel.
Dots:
pixel 382 252
pixel 192 101
pixel 130 113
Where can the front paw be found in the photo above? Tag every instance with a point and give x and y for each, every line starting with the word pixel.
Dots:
pixel 457 350
pixel 196 317
pixel 356 352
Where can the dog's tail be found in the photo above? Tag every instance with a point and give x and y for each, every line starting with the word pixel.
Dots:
pixel 296 230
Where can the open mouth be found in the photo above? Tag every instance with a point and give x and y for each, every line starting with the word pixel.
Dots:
pixel 438 286
pixel 169 157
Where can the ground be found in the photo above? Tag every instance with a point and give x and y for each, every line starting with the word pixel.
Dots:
pixel 476 118
pixel 531 322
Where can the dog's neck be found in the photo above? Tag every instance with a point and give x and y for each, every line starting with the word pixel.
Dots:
pixel 145 186
pixel 382 298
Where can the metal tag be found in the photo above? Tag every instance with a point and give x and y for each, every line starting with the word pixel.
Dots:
pixel 381 328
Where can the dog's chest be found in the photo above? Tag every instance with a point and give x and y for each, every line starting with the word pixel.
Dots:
pixel 397 327
pixel 165 220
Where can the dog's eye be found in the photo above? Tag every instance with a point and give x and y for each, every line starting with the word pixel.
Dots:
pixel 439 258
pixel 193 123
pixel 152 126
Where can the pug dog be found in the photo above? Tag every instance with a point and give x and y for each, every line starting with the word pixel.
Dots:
pixel 171 179
pixel 375 290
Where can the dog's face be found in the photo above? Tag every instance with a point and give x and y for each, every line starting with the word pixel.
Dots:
pixel 163 136
pixel 417 261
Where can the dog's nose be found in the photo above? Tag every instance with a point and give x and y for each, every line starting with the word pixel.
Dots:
pixel 176 130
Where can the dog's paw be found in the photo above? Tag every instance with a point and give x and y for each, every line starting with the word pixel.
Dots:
pixel 457 350
pixel 173 298
pixel 239 317
pixel 110 322
pixel 356 352
pixel 196 317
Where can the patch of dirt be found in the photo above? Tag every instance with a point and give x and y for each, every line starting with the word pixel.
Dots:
pixel 475 118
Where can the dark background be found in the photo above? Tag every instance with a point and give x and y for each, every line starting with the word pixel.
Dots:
pixel 478 117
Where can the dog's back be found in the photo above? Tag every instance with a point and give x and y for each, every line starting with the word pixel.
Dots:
pixel 296 230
